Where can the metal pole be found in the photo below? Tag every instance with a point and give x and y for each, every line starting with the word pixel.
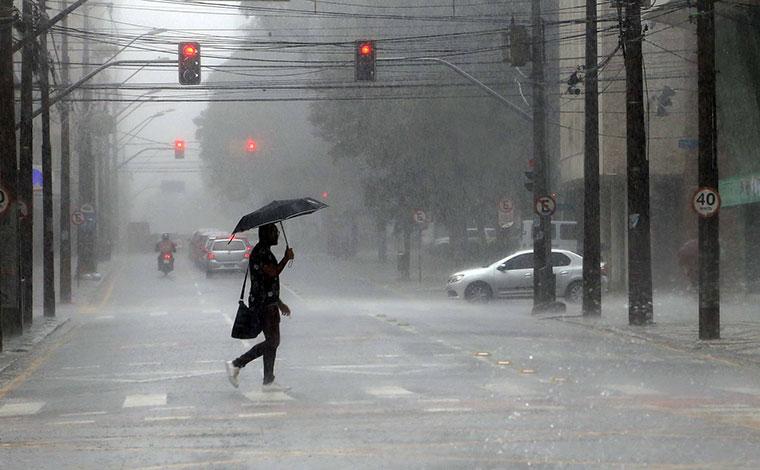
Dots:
pixel 8 164
pixel 29 38
pixel 709 243
pixel 592 289
pixel 640 309
pixel 26 159
pixel 48 251
pixel 65 213
pixel 544 293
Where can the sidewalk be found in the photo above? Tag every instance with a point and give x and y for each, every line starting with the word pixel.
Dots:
pixel 16 347
pixel 676 324
pixel 676 314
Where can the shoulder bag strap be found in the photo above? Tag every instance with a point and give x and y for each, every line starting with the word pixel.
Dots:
pixel 245 279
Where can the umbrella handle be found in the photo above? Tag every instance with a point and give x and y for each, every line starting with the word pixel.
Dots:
pixel 287 245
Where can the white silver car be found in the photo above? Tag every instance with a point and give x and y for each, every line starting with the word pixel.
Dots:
pixel 513 277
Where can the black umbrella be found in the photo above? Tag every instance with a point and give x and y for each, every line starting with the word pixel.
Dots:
pixel 277 211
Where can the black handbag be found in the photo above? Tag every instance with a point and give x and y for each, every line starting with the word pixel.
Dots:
pixel 248 323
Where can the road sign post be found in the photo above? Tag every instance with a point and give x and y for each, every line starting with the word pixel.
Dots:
pixel 420 218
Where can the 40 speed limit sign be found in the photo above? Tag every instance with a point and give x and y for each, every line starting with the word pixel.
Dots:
pixel 706 202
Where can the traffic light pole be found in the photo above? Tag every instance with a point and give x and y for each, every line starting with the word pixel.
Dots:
pixel 544 291
pixel 26 159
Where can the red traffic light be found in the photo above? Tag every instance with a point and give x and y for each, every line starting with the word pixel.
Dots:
pixel 250 145
pixel 365 49
pixel 179 144
pixel 189 50
pixel 325 194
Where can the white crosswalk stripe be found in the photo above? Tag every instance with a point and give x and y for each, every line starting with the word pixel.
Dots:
pixel 136 401
pixel 21 408
pixel 390 391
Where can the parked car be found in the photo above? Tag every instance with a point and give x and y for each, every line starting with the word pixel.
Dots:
pixel 223 254
pixel 198 242
pixel 513 277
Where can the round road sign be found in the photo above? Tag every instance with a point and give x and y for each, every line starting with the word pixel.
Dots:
pixel 706 202
pixel 5 200
pixel 77 218
pixel 545 205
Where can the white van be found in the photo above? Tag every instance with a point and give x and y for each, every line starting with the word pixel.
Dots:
pixel 564 235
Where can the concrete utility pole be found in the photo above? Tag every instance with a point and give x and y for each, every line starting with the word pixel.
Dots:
pixel 592 284
pixel 87 234
pixel 65 223
pixel 544 291
pixel 48 252
pixel 26 161
pixel 640 309
pixel 8 170
pixel 709 243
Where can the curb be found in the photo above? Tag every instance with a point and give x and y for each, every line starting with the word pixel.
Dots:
pixel 18 347
pixel 694 347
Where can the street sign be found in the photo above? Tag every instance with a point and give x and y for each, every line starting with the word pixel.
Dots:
pixel 77 218
pixel 36 179
pixel 506 213
pixel 419 217
pixel 5 200
pixel 545 205
pixel 706 202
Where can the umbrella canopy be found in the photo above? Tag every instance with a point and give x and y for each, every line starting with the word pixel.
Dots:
pixel 277 211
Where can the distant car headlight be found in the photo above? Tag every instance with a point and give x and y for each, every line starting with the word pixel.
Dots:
pixel 456 278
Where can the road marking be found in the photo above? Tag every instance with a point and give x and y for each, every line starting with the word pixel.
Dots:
pixel 80 367
pixel 86 413
pixel 211 311
pixel 440 400
pixel 267 396
pixel 21 409
pixel 390 391
pixel 68 423
pixel 159 314
pixel 166 418
pixel 447 410
pixel 135 401
pixel 632 389
pixel 104 317
pixel 175 408
pixel 272 414
pixel 205 464
pixel 90 309
pixel 138 364
pixel 350 402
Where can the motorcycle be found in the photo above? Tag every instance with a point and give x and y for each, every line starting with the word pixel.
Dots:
pixel 166 263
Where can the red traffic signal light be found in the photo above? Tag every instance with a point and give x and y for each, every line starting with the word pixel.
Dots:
pixel 364 63
pixel 250 145
pixel 179 148
pixel 325 194
pixel 189 63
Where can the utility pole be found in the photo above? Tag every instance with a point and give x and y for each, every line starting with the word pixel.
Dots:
pixel 8 167
pixel 87 233
pixel 709 243
pixel 544 291
pixel 592 289
pixel 26 162
pixel 48 251
pixel 65 224
pixel 640 309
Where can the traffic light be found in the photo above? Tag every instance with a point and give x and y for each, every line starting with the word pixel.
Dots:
pixel 179 149
pixel 325 195
pixel 250 145
pixel 519 45
pixel 365 61
pixel 529 180
pixel 189 63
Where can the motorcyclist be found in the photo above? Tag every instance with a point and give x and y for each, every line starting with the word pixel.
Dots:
pixel 166 245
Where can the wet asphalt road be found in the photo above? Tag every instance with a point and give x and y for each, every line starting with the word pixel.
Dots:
pixel 378 379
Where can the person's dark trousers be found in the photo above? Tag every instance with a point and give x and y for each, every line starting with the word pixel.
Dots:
pixel 266 348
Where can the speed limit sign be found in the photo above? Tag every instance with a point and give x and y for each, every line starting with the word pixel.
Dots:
pixel 5 200
pixel 706 202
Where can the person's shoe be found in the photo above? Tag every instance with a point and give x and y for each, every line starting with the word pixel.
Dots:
pixel 233 373
pixel 272 386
